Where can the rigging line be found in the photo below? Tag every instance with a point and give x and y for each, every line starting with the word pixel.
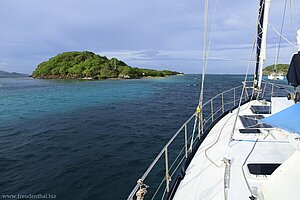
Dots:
pixel 275 64
pixel 212 27
pixel 218 138
pixel 229 59
pixel 244 86
pixel 292 23
pixel 295 13
pixel 193 134
pixel 215 142
pixel 282 36
pixel 158 188
pixel 244 165
pixel 204 52
pixel 282 23
pixel 205 57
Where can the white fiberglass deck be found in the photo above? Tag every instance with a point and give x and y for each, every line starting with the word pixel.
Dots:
pixel 205 179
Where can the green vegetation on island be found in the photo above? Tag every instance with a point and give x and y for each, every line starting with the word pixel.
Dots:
pixel 87 65
pixel 280 69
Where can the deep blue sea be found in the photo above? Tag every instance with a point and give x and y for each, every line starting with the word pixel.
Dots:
pixel 91 139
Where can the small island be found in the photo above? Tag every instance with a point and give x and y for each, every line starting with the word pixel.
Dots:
pixel 280 69
pixel 88 65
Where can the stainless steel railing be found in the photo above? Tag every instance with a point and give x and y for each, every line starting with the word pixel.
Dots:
pixel 168 162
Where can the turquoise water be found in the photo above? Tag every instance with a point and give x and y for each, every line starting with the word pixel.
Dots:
pixel 27 98
pixel 89 139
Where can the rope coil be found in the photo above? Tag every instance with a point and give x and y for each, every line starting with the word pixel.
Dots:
pixel 140 194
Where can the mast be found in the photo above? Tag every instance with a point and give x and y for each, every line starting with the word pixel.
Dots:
pixel 262 27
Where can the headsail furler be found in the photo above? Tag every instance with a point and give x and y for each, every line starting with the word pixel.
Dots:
pixel 258 41
pixel 262 28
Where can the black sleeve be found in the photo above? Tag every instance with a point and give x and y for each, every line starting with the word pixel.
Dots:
pixel 292 75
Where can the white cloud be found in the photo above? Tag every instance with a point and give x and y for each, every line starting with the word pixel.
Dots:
pixel 235 22
pixel 142 33
pixel 3 64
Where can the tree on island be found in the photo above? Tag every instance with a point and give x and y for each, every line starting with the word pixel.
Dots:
pixel 280 68
pixel 78 65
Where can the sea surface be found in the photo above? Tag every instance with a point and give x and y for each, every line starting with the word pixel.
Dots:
pixel 91 139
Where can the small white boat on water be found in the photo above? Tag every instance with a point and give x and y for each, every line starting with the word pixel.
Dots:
pixel 275 76
pixel 244 143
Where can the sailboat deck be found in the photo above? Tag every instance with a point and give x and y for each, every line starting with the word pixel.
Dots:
pixel 206 175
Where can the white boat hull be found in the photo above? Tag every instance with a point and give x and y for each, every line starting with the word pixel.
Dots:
pixel 205 177
pixel 275 77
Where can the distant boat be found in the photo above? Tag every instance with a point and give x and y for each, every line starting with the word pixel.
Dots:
pixel 87 78
pixel 275 76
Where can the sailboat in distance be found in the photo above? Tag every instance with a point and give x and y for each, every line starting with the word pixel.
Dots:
pixel 244 143
pixel 274 75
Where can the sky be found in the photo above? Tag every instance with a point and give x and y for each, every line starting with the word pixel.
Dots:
pixel 158 34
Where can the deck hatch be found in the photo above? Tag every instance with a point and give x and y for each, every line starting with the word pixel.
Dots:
pixel 251 121
pixel 262 168
pixel 260 109
pixel 250 131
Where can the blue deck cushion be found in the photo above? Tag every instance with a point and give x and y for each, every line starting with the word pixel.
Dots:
pixel 287 119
